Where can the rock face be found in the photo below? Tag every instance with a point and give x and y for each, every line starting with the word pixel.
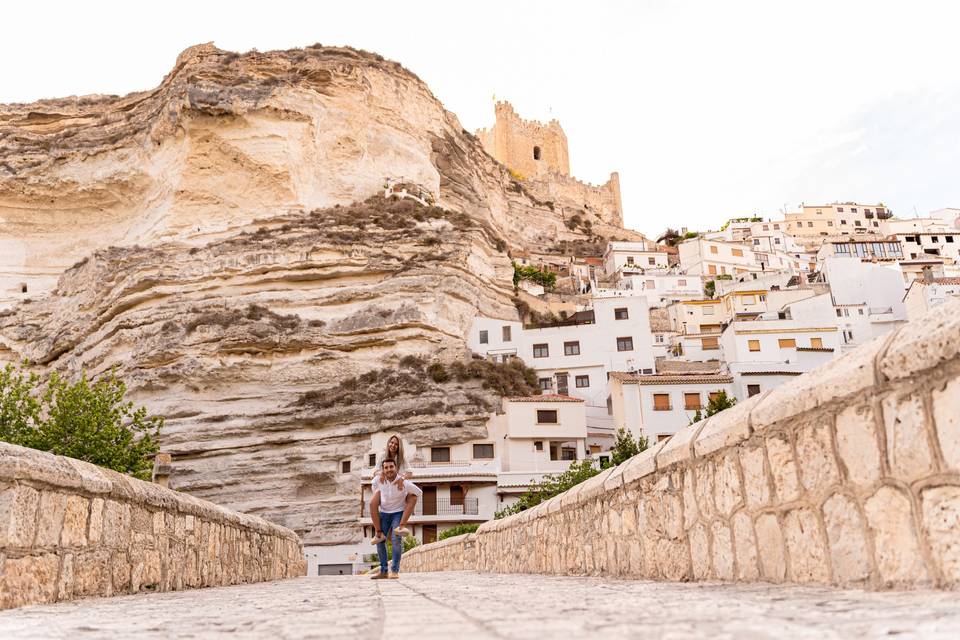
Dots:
pixel 233 255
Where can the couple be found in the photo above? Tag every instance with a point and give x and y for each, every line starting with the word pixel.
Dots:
pixel 394 498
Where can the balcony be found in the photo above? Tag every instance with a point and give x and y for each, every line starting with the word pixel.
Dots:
pixel 439 507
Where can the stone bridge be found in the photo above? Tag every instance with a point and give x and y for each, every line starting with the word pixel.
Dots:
pixel 787 515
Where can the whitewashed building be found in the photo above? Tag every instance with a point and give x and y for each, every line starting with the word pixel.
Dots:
pixel 923 295
pixel 699 256
pixel 632 256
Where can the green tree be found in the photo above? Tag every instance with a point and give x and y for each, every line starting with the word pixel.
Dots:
pixel 85 419
pixel 551 485
pixel 718 402
pixel 710 288
pixel 545 278
pixel 625 446
pixel 458 530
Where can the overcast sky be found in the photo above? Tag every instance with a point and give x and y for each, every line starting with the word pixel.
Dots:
pixel 707 109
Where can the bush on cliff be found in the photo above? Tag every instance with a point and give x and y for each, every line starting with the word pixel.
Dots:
pixel 85 419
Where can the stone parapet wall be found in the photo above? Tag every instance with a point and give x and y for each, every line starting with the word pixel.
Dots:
pixel 69 529
pixel 848 475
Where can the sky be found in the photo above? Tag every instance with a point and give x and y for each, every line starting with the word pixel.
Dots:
pixel 708 110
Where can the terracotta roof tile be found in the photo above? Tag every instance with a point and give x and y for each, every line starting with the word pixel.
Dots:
pixel 771 373
pixel 632 378
pixel 547 397
pixel 822 349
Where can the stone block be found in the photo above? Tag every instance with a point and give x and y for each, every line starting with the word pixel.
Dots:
pixel 51 510
pixel 727 483
pixel 727 428
pixel 722 551
pixel 891 524
pixel 836 379
pixel 924 344
pixel 848 545
pixel 614 481
pixel 700 552
pixel 941 519
pixel 690 510
pixel 95 531
pixel 805 544
pixel 773 564
pixel 858 445
pixel 92 573
pixel 908 452
pixel 704 489
pixel 18 515
pixel 679 448
pixel 745 546
pixel 643 464
pixel 818 469
pixel 75 522
pixel 946 418
pixel 116 524
pixel 29 580
pixel 755 482
pixel 673 559
pixel 783 468
pixel 65 579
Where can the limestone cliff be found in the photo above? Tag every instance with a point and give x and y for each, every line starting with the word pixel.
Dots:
pixel 232 253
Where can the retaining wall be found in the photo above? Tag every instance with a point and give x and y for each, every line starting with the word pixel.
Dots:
pixel 848 475
pixel 70 529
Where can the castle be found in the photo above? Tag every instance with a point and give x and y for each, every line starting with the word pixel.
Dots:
pixel 536 153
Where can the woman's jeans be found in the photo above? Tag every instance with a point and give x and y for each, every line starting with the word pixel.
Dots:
pixel 389 522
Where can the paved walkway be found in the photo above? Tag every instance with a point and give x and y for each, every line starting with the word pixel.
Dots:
pixel 468 605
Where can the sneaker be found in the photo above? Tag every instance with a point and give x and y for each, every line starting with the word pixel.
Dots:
pixel 402 531
pixel 377 539
pixel 379 576
pixel 393 576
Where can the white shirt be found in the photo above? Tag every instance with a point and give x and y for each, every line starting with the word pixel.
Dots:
pixel 393 499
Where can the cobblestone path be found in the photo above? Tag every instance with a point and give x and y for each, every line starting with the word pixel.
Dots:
pixel 469 605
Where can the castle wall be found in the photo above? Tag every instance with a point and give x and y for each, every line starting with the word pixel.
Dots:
pixel 602 201
pixel 512 140
pixel 849 475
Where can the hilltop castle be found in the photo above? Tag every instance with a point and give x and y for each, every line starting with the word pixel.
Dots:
pixel 536 153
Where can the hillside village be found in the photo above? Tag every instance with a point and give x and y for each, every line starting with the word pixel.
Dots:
pixel 639 333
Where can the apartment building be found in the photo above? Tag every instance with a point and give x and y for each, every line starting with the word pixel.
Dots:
pixel 536 436
pixel 702 257
pixel 661 288
pixel 634 257
pixel 846 218
pixel 662 332
pixel 657 406
pixel 871 247
pixel 925 244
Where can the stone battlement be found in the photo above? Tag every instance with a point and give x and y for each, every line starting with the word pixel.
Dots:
pixel 70 529
pixel 849 475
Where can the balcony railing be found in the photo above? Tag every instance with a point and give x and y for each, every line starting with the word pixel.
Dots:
pixel 423 464
pixel 439 507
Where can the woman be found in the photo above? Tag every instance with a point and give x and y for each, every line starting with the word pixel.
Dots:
pixel 394 451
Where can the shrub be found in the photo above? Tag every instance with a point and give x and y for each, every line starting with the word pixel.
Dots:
pixel 87 420
pixel 550 486
pixel 545 278
pixel 438 373
pixel 458 530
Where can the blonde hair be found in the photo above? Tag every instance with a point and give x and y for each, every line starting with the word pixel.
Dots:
pixel 400 459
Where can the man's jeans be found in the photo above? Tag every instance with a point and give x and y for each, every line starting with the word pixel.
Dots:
pixel 389 522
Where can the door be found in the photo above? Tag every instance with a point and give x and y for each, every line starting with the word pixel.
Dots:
pixel 563 387
pixel 429 532
pixel 430 502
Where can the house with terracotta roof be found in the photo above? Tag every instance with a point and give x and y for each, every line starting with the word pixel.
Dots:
pixel 659 405
pixel 927 293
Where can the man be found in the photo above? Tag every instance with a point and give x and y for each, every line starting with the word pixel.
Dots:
pixel 390 508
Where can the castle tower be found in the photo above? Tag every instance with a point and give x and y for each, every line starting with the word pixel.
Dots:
pixel 527 147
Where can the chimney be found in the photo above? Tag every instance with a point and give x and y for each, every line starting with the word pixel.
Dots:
pixel 161 469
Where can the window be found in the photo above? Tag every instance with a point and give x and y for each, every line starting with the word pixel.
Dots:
pixel 753 345
pixel 777 227
pixel 712 269
pixel 536 153
pixel 661 402
pixel 484 338
pixel 621 314
pixel 708 310
pixel 582 382
pixel 949 238
pixel 507 334
pixel 737 253
pixel 546 384
pixel 541 350
pixel 713 248
pixel 839 313
pixel 752 390
pixel 691 401
pixel 853 209
pixel 483 451
pixel 766 227
pixel 809 224
pixel 650 284
pixel 563 451
pixel 345 466
pixel 23 287
pixel 547 416
pixel 659 338
pixel 681 283
pixel 843 222
pixel 709 344
pixel 839 209
pixel 625 344
pixel 860 311
pixel 829 223
pixel 723 270
pixel 571 348
pixel 846 313
pixel 787 343
pixel 816 343
pixel 372 460
pixel 439 454
pixel 857 223
pixel 651 261
pixel 538 445
pixel 629 259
